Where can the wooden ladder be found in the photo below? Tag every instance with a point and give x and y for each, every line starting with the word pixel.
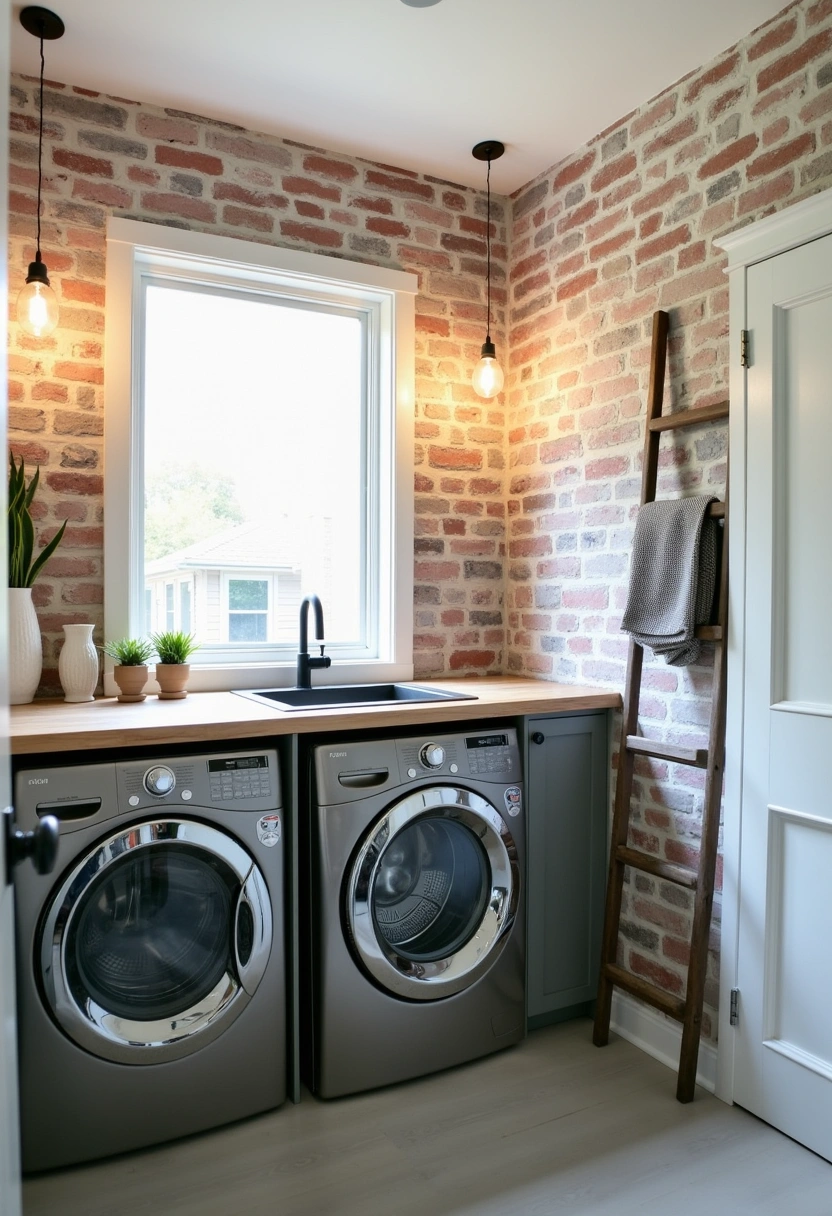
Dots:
pixel 687 1010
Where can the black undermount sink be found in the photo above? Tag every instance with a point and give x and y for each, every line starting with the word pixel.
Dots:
pixel 337 696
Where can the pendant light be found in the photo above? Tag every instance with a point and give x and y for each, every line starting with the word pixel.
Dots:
pixel 488 376
pixel 37 305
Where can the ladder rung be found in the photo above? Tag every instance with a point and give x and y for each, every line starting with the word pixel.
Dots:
pixel 708 633
pixel 696 756
pixel 674 1006
pixel 716 510
pixel 671 422
pixel 681 875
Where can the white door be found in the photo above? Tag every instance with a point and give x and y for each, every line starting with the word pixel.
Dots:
pixel 783 1063
pixel 9 1149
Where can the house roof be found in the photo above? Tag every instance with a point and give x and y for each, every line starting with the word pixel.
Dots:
pixel 250 546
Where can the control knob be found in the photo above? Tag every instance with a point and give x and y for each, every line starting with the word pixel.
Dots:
pixel 159 780
pixel 432 755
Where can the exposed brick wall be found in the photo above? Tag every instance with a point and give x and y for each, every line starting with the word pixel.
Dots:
pixel 624 226
pixel 106 156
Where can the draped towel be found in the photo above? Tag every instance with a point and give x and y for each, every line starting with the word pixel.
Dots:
pixel 672 577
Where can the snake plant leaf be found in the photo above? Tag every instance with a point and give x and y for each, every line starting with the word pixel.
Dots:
pixel 27 544
pixel 33 485
pixel 44 557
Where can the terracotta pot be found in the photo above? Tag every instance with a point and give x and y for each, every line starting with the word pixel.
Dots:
pixel 131 681
pixel 172 679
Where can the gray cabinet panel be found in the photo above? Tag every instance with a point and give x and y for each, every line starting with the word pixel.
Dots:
pixel 566 798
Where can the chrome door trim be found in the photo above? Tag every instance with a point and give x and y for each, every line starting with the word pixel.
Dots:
pixel 430 981
pixel 127 1041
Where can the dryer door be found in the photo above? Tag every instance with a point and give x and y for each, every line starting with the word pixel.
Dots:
pixel 433 893
pixel 155 941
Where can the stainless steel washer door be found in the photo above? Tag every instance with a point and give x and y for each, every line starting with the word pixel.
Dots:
pixel 433 893
pixel 156 941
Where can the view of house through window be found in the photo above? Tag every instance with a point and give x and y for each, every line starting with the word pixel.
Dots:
pixel 255 438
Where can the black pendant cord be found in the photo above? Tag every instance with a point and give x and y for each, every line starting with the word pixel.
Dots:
pixel 487 248
pixel 40 142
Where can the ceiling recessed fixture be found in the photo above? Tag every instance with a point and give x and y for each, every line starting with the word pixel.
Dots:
pixel 420 3
pixel 488 377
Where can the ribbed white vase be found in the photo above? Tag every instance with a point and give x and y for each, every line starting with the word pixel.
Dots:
pixel 25 647
pixel 78 663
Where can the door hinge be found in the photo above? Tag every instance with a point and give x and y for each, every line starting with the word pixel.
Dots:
pixel 745 348
pixel 735 1006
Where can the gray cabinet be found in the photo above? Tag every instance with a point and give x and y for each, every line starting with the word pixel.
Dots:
pixel 566 765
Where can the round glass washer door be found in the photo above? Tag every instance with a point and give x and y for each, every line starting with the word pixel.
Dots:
pixel 433 893
pixel 155 941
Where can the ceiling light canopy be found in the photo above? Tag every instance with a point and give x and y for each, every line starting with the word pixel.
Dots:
pixel 420 3
pixel 37 305
pixel 488 376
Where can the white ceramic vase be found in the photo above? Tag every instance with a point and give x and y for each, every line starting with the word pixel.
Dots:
pixel 25 647
pixel 78 663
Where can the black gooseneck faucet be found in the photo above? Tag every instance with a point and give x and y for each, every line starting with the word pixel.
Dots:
pixel 306 661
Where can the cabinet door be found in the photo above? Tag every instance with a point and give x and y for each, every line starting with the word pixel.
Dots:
pixel 566 798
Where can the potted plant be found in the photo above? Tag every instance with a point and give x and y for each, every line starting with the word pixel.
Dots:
pixel 130 672
pixel 25 649
pixel 173 649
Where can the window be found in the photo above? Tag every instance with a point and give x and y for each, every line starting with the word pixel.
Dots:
pixel 259 448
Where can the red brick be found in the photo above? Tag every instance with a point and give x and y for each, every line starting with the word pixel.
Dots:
pixel 655 973
pixel 571 172
pixel 312 234
pixel 433 325
pixel 673 135
pixel 653 115
pixel 604 248
pixel 730 155
pixel 233 193
pixel 662 244
pixel 530 546
pixel 774 37
pixel 436 572
pixel 818 12
pixel 102 192
pixel 339 170
pixel 454 458
pixel 75 483
pixel 779 157
pixel 652 199
pixel 178 204
pixel 82 291
pixel 398 185
pixel 610 173
pixel 574 287
pixel 787 65
pixel 606 468
pixel 77 162
pixel 578 215
pixel 764 195
pixel 85 372
pixel 200 162
pixel 649 226
pixel 244 217
pixel 713 76
pixel 472 658
pixel 145 177
pixel 725 101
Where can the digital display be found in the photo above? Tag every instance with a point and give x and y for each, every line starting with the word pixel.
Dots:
pixel 234 763
pixel 487 741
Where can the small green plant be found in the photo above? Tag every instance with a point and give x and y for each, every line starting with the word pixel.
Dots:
pixel 129 652
pixel 174 646
pixel 22 569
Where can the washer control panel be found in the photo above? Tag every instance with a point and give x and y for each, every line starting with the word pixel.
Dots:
pixel 432 755
pixel 237 781
pixel 159 780
pixel 490 755
pixel 236 777
pixel 493 755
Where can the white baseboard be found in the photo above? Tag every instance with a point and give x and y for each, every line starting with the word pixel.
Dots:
pixel 660 1037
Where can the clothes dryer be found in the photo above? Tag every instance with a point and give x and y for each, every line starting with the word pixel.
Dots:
pixel 417 908
pixel 151 973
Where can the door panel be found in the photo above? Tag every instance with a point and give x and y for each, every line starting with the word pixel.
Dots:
pixel 784 1039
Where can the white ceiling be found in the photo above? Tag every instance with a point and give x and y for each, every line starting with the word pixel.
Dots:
pixel 413 87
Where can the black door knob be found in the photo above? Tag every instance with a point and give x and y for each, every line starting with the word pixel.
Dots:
pixel 538 737
pixel 41 844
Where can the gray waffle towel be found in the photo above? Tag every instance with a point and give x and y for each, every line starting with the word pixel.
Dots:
pixel 672 577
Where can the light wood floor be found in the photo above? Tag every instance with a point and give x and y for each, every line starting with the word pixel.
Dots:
pixel 552 1126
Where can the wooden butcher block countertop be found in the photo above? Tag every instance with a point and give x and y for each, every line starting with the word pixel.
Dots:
pixel 54 726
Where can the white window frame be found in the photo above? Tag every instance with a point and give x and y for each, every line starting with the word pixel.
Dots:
pixel 259 576
pixel 136 250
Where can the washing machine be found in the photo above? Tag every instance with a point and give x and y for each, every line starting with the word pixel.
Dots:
pixel 151 972
pixel 417 906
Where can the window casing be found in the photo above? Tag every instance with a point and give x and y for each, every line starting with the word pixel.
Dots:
pixel 143 255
